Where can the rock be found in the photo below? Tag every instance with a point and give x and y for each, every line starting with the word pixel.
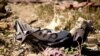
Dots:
pixel 93 39
pixel 92 46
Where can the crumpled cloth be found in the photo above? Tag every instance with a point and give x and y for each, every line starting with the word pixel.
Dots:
pixel 53 37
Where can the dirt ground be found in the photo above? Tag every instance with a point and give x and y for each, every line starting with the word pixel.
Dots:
pixel 29 14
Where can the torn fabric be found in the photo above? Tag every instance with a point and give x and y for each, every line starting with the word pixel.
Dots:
pixel 23 30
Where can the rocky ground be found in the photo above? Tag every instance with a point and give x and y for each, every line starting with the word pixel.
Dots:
pixel 41 15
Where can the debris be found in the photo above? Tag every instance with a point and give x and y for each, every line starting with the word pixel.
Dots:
pixel 24 30
pixel 51 37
